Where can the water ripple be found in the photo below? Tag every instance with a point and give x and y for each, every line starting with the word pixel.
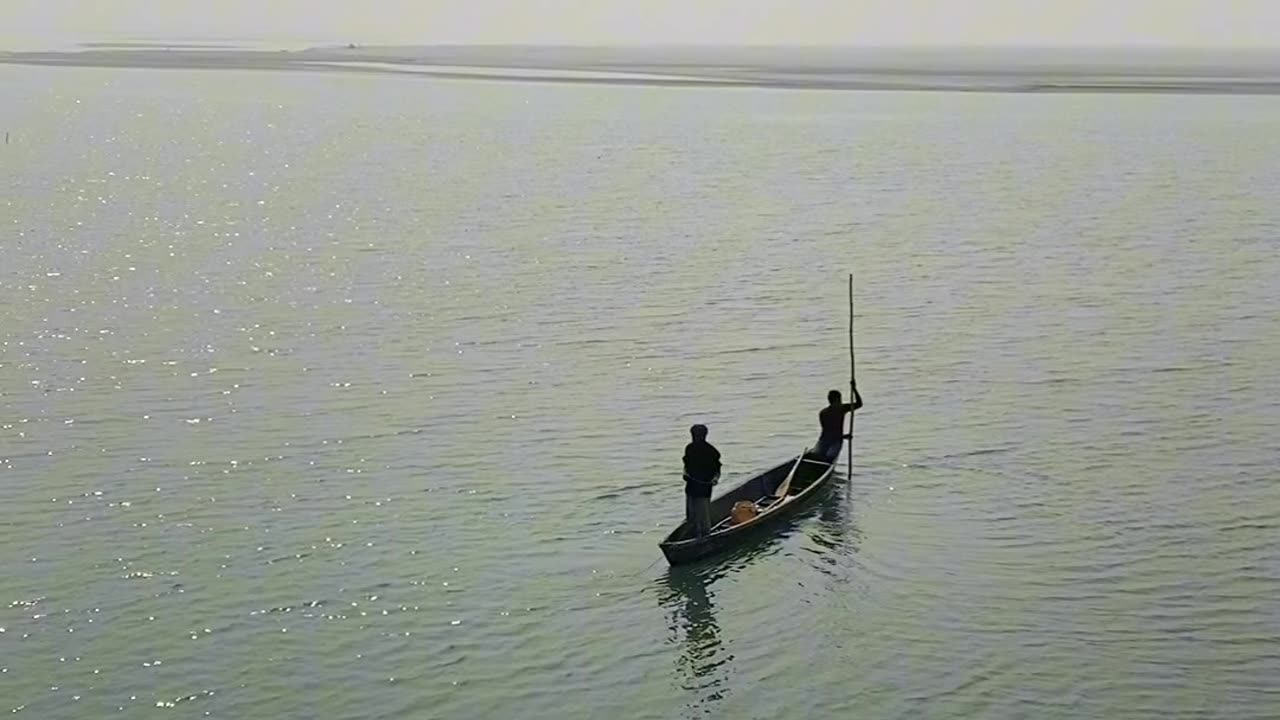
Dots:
pixel 332 400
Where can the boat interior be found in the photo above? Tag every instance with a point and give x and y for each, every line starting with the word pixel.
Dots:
pixel 762 492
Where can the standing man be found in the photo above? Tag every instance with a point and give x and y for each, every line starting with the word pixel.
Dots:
pixel 831 418
pixel 701 472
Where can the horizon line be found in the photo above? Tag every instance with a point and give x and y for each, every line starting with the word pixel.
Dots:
pixel 913 46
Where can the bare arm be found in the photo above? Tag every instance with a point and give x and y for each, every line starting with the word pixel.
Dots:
pixel 850 407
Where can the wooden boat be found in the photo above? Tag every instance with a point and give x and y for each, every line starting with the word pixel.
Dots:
pixel 775 493
pixel 767 497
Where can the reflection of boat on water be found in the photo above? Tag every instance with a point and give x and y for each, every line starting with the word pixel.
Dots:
pixel 686 594
pixel 835 529
pixel 693 625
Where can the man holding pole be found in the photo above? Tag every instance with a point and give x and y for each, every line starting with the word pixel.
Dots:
pixel 831 418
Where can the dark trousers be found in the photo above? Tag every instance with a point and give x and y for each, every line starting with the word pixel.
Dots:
pixel 697 513
pixel 827 449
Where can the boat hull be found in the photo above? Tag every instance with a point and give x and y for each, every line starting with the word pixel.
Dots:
pixel 810 477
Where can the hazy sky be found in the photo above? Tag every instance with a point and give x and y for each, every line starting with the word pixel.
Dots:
pixel 948 22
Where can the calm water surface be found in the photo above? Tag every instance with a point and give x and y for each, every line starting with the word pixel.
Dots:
pixel 331 396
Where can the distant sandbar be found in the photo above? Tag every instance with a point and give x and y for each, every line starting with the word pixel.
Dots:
pixel 938 69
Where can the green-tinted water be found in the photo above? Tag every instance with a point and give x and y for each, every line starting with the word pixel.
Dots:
pixel 354 397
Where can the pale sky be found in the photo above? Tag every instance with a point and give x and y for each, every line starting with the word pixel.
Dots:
pixel 1224 23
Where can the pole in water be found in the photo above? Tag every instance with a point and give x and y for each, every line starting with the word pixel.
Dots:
pixel 853 384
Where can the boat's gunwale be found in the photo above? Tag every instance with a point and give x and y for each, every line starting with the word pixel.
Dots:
pixel 772 511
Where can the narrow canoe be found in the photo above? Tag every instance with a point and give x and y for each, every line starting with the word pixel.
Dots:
pixel 808 478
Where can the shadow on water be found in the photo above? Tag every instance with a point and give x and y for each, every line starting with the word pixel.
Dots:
pixel 835 533
pixel 686 593
pixel 703 664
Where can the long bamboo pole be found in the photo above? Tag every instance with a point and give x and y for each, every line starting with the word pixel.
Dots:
pixel 853 384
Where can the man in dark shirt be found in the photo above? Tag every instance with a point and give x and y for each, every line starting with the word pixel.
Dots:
pixel 831 418
pixel 701 472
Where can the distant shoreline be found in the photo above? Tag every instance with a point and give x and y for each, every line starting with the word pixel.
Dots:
pixel 776 68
